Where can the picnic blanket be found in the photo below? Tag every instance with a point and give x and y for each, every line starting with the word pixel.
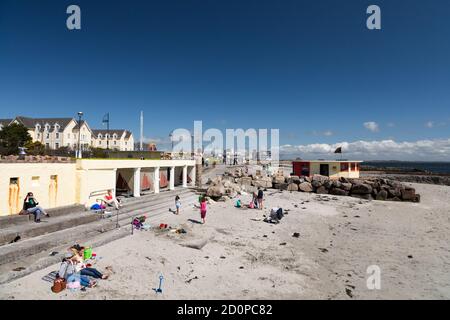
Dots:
pixel 50 277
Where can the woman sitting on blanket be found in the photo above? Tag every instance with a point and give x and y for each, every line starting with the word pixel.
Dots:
pixel 68 271
pixel 80 266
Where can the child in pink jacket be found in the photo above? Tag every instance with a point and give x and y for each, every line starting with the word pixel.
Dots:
pixel 203 209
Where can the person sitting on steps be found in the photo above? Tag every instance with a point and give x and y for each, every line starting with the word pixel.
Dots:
pixel 30 205
pixel 111 200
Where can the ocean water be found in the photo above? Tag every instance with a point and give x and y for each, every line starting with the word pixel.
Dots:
pixel 434 167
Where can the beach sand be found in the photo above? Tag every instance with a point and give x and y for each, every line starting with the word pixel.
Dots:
pixel 246 258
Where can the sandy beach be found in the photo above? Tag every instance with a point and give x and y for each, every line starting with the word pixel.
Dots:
pixel 246 258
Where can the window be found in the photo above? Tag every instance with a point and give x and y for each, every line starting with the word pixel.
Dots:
pixel 57 145
pixel 47 145
pixel 57 135
pixel 35 181
pixel 100 142
pixel 115 142
pixel 344 166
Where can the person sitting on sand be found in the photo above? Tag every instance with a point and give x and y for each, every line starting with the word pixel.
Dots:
pixel 80 266
pixel 111 200
pixel 30 205
pixel 203 209
pixel 177 204
pixel 68 271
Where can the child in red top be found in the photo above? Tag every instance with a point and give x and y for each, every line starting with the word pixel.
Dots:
pixel 203 209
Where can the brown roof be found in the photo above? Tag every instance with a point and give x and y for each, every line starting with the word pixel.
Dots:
pixel 111 132
pixel 31 123
pixel 5 122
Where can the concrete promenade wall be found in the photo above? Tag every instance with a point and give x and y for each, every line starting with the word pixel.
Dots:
pixel 53 185
pixel 61 184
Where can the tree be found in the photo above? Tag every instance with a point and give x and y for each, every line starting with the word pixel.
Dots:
pixel 14 136
pixel 35 148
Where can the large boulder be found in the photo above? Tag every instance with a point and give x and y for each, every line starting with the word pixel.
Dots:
pixel 382 195
pixel 347 186
pixel 322 190
pixel 245 181
pixel 338 192
pixel 294 179
pixel 361 188
pixel 262 183
pixel 215 191
pixel 408 194
pixel 395 192
pixel 279 179
pixel 316 184
pixel 321 179
pixel 292 187
pixel 306 187
pixel 280 186
pixel 363 196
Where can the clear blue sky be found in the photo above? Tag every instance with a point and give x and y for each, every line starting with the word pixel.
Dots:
pixel 310 68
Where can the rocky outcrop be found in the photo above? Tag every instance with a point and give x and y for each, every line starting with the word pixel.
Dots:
pixel 372 188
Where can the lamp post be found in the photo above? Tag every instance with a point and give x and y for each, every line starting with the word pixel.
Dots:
pixel 80 114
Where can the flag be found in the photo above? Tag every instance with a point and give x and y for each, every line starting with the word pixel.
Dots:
pixel 338 150
pixel 105 118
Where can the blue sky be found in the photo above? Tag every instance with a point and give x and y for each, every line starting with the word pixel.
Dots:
pixel 310 68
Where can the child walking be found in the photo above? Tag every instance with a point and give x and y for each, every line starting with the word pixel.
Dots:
pixel 203 210
pixel 177 204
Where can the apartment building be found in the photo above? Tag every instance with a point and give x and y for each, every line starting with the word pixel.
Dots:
pixel 55 133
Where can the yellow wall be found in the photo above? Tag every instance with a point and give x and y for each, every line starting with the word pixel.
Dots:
pixel 50 193
pixel 75 182
pixel 335 170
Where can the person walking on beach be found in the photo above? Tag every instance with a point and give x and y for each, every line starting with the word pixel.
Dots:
pixel 177 204
pixel 203 209
pixel 30 205
pixel 260 198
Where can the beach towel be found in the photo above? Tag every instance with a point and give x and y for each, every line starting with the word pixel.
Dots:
pixel 50 277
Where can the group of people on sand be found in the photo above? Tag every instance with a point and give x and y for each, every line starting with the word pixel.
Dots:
pixel 73 269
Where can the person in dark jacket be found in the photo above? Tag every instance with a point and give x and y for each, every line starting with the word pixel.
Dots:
pixel 30 205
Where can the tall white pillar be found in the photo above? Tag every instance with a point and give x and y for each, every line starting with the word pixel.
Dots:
pixel 137 183
pixel 185 177
pixel 156 180
pixel 172 178
pixel 193 175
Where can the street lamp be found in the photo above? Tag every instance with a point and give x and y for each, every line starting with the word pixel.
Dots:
pixel 80 114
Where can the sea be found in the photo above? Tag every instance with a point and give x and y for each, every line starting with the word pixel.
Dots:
pixel 433 167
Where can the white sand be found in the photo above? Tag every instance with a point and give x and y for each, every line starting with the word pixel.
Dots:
pixel 355 233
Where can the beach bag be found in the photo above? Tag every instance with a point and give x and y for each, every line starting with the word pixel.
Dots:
pixel 59 285
pixel 87 253
pixel 238 204
pixel 251 205
pixel 96 207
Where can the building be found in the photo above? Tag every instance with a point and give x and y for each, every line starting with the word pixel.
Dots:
pixel 83 181
pixel 115 139
pixel 55 133
pixel 333 169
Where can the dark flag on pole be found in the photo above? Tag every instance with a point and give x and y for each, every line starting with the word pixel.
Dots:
pixel 106 118
pixel 338 150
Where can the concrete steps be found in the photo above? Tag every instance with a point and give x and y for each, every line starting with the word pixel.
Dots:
pixel 30 250
pixel 15 220
pixel 60 219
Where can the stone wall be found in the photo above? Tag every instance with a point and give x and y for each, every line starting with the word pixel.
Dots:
pixel 236 181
